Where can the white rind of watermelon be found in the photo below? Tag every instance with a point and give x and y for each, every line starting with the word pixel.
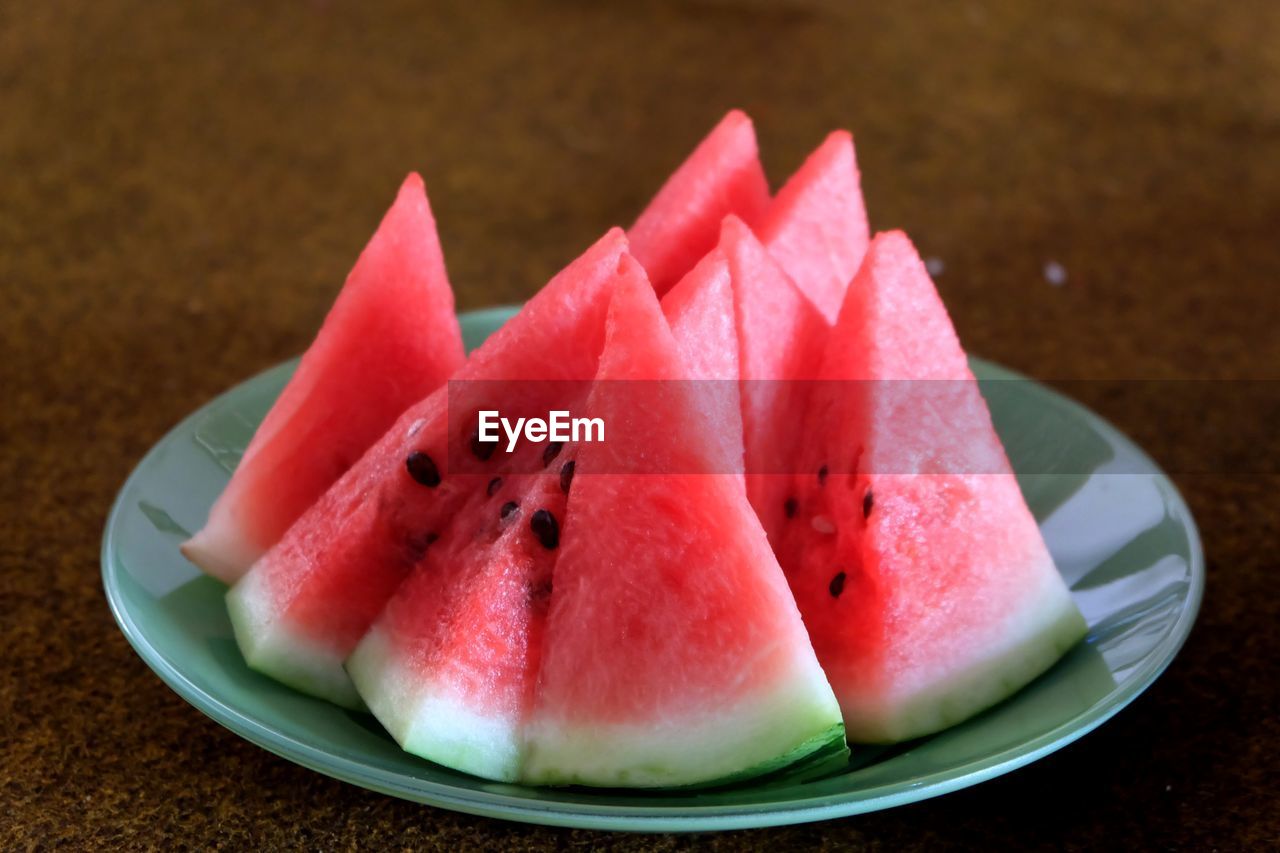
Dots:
pixel 428 720
pixel 764 731
pixel 289 657
pixel 1033 639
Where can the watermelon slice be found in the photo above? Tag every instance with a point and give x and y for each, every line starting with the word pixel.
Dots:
pixel 699 311
pixel 302 608
pixel 780 341
pixel 449 666
pixel 390 339
pixel 673 653
pixel 816 227
pixel 924 582
pixel 723 175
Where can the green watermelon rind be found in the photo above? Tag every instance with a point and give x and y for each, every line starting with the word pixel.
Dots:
pixel 430 722
pixel 817 757
pixel 822 763
pixel 271 649
pixel 793 721
pixel 989 682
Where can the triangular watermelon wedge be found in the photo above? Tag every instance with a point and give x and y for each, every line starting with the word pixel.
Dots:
pixel 816 227
pixel 449 666
pixel 673 653
pixel 781 336
pixel 699 311
pixel 303 607
pixel 723 175
pixel 924 582
pixel 390 339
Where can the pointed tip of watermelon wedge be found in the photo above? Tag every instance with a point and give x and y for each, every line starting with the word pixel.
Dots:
pixel 834 157
pixel 631 293
pixel 732 228
pixel 703 296
pixel 220 552
pixel 754 269
pixel 735 125
pixel 734 120
pixel 722 175
pixel 816 227
pixel 413 183
pixel 892 298
pixel 412 199
pixel 893 264
pixel 840 142
pixel 895 246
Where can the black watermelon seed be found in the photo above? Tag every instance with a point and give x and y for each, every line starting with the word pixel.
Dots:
pixel 494 485
pixel 544 526
pixel 837 585
pixel 566 476
pixel 422 468
pixel 482 449
pixel 868 501
pixel 790 507
pixel 552 451
pixel 822 475
pixel 508 508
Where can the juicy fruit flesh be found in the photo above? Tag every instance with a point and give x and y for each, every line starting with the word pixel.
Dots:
pixel 780 334
pixel 723 175
pixel 326 581
pixel 699 312
pixel 390 339
pixel 928 596
pixel 492 580
pixel 921 616
pixel 673 652
pixel 450 664
pixel 816 227
pixel 625 614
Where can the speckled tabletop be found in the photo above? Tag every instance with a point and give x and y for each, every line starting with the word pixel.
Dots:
pixel 183 187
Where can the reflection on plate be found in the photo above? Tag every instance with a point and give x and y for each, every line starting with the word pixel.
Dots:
pixel 1121 534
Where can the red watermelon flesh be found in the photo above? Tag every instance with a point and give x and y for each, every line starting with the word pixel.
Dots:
pixel 780 341
pixel 723 175
pixel 390 339
pixel 673 653
pixel 816 227
pixel 699 311
pixel 449 666
pixel 301 609
pixel 924 582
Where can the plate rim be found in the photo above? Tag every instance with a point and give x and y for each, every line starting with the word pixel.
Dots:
pixel 657 818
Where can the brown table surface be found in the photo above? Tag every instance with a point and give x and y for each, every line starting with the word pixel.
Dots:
pixel 184 186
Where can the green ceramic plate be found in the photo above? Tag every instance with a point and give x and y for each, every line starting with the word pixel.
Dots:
pixel 1121 535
